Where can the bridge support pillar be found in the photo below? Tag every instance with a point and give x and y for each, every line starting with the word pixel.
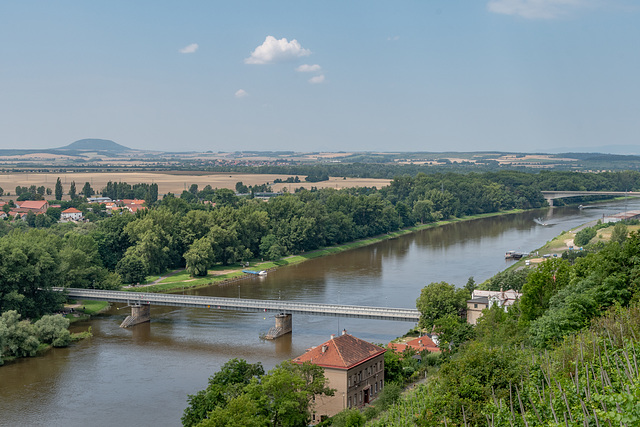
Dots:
pixel 550 201
pixel 282 327
pixel 140 313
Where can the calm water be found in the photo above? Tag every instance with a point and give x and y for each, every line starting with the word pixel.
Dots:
pixel 143 375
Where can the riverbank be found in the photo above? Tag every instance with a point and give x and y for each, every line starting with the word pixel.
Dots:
pixel 180 280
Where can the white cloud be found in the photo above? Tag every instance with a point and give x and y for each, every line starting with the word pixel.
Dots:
pixel 273 50
pixel 317 79
pixel 306 68
pixel 535 9
pixel 393 39
pixel 190 48
pixel 241 93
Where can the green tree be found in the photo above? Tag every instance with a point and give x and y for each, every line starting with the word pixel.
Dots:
pixel 132 268
pixel 542 283
pixel 58 189
pixel 29 268
pixel 286 392
pixel 199 257
pixel 225 384
pixel 439 299
pixel 619 233
pixel 349 418
pixel 53 329
pixel 72 190
pixel 87 190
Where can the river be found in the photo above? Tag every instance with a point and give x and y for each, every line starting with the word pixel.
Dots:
pixel 143 375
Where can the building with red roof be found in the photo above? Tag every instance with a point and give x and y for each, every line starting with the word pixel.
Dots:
pixel 354 367
pixel 36 206
pixel 419 344
pixel 71 214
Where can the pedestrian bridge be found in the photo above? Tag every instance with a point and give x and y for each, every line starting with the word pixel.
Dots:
pixel 140 303
pixel 551 195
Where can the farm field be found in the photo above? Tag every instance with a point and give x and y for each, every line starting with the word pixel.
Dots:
pixel 173 182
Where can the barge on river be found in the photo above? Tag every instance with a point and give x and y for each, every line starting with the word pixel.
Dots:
pixel 515 255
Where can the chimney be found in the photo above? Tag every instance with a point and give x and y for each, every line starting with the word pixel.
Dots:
pixel 333 336
pixel 344 332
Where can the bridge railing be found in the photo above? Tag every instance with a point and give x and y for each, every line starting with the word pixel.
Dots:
pixel 387 313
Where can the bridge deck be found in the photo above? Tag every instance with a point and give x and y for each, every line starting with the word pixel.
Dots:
pixel 218 303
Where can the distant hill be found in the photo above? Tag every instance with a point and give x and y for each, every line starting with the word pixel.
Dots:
pixel 92 144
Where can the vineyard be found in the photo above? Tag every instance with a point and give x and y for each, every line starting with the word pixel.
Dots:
pixel 591 379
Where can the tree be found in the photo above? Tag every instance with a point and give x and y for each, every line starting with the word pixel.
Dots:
pixel 87 190
pixel 619 233
pixel 53 329
pixel 30 267
pixel 223 385
pixel 542 283
pixel 439 299
pixel 72 190
pixel 199 257
pixel 132 268
pixel 58 189
pixel 285 393
pixel 471 285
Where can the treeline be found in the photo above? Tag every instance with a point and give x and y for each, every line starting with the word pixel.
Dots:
pixel 34 261
pixel 566 350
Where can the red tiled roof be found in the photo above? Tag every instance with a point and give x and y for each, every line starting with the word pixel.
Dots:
pixel 419 344
pixel 342 352
pixel 71 210
pixel 32 204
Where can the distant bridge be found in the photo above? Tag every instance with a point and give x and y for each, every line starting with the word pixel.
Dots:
pixel 140 303
pixel 551 195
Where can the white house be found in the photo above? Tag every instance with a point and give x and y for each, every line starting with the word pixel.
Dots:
pixel 71 214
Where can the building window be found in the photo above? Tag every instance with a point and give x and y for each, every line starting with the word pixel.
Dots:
pixel 360 397
pixel 349 401
pixel 475 305
pixel 381 385
pixel 349 381
pixel 375 388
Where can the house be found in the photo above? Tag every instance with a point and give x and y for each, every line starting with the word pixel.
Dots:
pixel 353 367
pixel 133 207
pixel 419 344
pixel 486 299
pixel 71 214
pixel 36 206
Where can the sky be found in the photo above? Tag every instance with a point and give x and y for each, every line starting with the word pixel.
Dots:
pixel 424 75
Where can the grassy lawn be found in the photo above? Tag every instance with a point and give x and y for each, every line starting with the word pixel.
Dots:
pixel 92 307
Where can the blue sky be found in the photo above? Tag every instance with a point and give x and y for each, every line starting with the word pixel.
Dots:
pixel 436 75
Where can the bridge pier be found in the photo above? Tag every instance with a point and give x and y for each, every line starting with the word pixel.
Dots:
pixel 140 313
pixel 550 201
pixel 282 327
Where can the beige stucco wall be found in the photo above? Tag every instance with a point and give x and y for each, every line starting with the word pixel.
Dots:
pixel 368 375
pixel 474 313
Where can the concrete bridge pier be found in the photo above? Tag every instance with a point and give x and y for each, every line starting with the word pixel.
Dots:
pixel 140 313
pixel 550 201
pixel 282 327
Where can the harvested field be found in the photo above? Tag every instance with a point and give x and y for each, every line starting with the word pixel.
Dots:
pixel 173 182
